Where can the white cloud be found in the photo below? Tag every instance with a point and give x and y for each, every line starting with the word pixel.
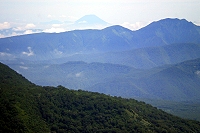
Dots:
pixel 28 32
pixel 135 26
pixel 72 18
pixel 46 66
pixel 23 67
pixel 30 53
pixel 49 16
pixel 79 74
pixel 82 22
pixel 2 36
pixel 5 54
pixel 63 16
pixel 54 30
pixel 198 73
pixel 57 52
pixel 26 27
pixel 18 29
pixel 5 25
pixel 14 34
pixel 30 26
pixel 56 25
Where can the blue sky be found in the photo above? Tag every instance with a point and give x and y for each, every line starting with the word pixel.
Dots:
pixel 133 14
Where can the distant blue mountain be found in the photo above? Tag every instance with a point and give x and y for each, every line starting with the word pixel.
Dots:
pixel 143 58
pixel 167 31
pixel 47 46
pixel 89 22
pixel 116 51
pixel 179 82
pixel 91 19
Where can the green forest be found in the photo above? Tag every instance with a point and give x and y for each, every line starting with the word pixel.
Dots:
pixel 26 107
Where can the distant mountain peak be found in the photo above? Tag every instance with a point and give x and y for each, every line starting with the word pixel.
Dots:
pixel 90 19
pixel 90 22
pixel 174 21
pixel 117 27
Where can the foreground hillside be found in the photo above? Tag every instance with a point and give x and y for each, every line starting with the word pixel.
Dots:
pixel 26 107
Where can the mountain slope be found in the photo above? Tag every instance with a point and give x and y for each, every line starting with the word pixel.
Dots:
pixel 167 31
pixel 75 75
pixel 146 58
pixel 18 107
pixel 178 82
pixel 46 46
pixel 143 58
pixel 62 110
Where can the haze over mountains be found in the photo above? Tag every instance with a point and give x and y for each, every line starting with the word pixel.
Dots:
pixel 112 60
pixel 53 26
pixel 26 107
pixel 175 82
pixel 175 38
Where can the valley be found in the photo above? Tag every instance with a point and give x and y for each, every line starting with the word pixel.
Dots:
pixel 26 107
pixel 160 62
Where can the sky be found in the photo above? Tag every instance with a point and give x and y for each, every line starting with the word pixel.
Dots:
pixel 25 15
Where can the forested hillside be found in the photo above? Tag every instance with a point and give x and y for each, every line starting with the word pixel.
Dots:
pixel 26 107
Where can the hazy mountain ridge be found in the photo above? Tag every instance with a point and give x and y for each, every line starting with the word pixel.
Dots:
pixel 26 107
pixel 174 82
pixel 143 58
pixel 46 53
pixel 168 83
pixel 63 44
pixel 168 31
pixel 76 75
pixel 55 26
pixel 115 38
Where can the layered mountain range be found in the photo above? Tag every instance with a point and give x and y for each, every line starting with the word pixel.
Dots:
pixel 26 107
pixel 145 63
pixel 44 46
